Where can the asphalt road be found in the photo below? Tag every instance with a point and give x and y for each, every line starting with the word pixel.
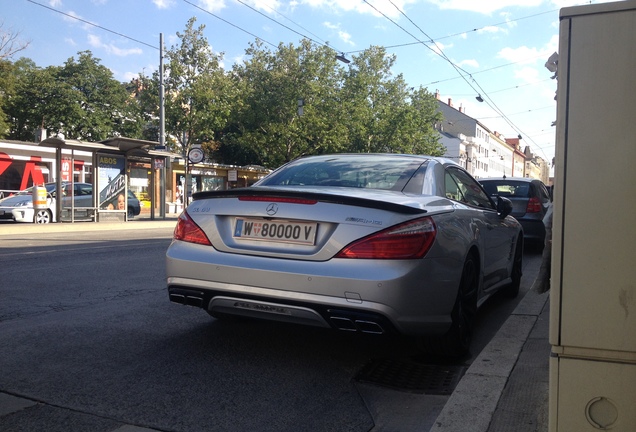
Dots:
pixel 88 336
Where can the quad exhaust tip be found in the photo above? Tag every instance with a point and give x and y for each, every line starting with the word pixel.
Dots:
pixel 358 325
pixel 186 300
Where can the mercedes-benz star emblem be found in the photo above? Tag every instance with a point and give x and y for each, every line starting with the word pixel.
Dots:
pixel 272 209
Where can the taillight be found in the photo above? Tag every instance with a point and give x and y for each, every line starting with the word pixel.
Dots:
pixel 406 241
pixel 534 205
pixel 188 231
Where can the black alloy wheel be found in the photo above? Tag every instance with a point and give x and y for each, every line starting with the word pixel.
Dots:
pixel 512 290
pixel 456 341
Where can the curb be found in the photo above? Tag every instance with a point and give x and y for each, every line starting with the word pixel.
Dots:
pixel 135 224
pixel 474 401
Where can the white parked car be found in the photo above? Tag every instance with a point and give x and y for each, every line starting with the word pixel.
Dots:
pixel 19 207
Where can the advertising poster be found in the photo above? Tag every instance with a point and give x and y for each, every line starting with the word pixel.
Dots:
pixel 111 182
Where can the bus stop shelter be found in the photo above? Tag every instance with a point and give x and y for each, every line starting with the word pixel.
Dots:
pixel 111 160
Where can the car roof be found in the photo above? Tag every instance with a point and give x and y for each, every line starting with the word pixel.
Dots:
pixel 423 158
pixel 518 179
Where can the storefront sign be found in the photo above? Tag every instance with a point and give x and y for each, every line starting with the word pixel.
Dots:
pixel 66 172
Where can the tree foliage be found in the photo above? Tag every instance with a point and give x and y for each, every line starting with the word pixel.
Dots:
pixel 276 88
pixel 80 100
pixel 198 92
pixel 274 106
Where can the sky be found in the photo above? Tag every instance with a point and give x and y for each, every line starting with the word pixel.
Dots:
pixel 460 48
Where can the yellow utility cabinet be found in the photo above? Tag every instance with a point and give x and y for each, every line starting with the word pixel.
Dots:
pixel 593 295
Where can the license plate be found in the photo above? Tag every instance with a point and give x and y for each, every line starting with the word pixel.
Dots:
pixel 1 212
pixel 280 231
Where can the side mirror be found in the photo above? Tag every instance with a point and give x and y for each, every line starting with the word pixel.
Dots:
pixel 504 206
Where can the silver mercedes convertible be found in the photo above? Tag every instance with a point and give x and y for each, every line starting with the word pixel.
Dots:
pixel 372 243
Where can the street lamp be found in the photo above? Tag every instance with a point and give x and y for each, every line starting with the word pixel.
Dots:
pixel 342 58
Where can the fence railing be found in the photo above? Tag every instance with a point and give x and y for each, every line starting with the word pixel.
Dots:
pixel 7 192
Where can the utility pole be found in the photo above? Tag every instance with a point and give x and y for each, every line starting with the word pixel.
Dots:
pixel 162 132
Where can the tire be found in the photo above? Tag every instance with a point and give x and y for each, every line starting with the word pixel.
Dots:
pixel 512 290
pixel 42 216
pixel 456 341
pixel 131 214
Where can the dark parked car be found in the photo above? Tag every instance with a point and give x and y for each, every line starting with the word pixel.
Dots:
pixel 371 243
pixel 134 206
pixel 530 203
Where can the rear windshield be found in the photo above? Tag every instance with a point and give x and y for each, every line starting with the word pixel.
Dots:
pixel 509 189
pixel 355 172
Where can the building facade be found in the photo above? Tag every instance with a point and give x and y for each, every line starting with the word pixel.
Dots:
pixel 483 152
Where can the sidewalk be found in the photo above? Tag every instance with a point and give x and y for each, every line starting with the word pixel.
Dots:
pixel 137 223
pixel 506 387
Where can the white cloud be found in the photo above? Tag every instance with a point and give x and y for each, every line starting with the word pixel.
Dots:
pixel 521 54
pixel 345 37
pixel 439 48
pixel 469 62
pixel 163 4
pixel 484 7
pixel 528 74
pixel 96 42
pixel 265 5
pixel 342 35
pixel 129 76
pixel 525 55
pixel 374 7
pixel 211 5
pixel 75 19
pixel 55 3
pixel 491 29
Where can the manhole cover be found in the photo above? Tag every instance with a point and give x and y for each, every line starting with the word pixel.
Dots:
pixel 411 376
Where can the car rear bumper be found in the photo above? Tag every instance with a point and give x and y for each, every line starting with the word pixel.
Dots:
pixel 533 229
pixel 381 296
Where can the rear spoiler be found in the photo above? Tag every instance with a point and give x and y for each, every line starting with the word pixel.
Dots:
pixel 256 191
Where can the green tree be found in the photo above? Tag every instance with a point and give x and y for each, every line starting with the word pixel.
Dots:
pixel 143 108
pixel 383 113
pixel 268 124
pixel 10 44
pixel 7 91
pixel 102 99
pixel 41 100
pixel 80 100
pixel 198 94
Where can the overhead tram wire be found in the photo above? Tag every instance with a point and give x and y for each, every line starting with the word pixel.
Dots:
pixel 464 32
pixel 482 71
pixel 93 24
pixel 257 37
pixel 457 68
pixel 438 52
pixel 227 22
pixel 288 19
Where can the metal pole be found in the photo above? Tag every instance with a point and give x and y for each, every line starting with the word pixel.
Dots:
pixel 58 184
pixel 162 132
pixel 162 114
